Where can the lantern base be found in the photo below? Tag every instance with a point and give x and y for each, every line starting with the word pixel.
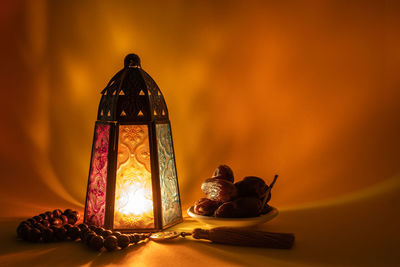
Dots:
pixel 131 231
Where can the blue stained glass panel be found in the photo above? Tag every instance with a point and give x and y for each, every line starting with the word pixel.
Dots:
pixel 171 206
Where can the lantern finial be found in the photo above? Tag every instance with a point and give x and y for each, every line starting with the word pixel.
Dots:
pixel 132 61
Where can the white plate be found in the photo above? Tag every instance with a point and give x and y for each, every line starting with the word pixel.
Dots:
pixel 233 222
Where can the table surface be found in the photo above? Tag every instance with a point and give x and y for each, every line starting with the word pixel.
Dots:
pixel 361 229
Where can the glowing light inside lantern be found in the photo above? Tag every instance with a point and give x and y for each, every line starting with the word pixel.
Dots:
pixel 133 188
pixel 137 200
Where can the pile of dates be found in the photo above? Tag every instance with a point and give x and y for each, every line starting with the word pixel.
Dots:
pixel 226 199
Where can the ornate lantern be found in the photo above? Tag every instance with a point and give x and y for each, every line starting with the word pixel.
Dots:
pixel 133 185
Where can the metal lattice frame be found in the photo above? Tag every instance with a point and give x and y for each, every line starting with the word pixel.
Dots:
pixel 132 96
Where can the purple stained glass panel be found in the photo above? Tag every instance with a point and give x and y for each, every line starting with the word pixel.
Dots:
pixel 96 195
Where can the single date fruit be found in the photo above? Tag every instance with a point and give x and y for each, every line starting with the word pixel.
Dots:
pixel 252 186
pixel 240 208
pixel 227 210
pixel 248 206
pixel 205 206
pixel 219 189
pixel 224 172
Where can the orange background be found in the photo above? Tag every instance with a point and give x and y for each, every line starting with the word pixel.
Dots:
pixel 306 89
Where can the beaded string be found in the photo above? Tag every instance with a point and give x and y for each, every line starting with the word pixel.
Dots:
pixel 61 226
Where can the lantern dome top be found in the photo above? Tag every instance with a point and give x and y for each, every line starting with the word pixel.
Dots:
pixel 132 96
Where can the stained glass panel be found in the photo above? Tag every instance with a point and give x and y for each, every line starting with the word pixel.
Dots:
pixel 96 195
pixel 133 189
pixel 171 206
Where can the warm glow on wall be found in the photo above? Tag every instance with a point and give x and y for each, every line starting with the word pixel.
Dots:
pixel 307 90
